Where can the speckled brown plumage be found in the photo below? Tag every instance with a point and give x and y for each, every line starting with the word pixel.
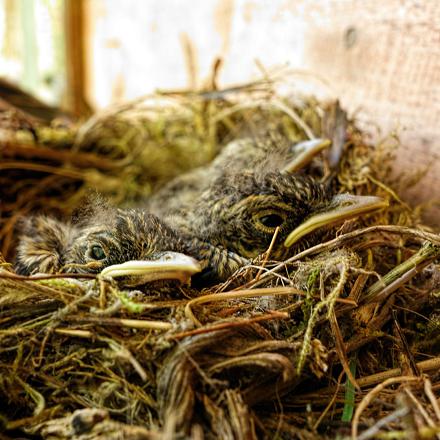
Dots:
pixel 239 156
pixel 257 155
pixel 240 212
pixel 100 240
pixel 251 188
pixel 225 203
pixel 106 237
pixel 43 245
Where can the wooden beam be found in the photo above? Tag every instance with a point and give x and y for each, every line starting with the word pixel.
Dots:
pixel 75 58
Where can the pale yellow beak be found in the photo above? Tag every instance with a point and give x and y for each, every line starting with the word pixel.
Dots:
pixel 342 207
pixel 304 152
pixel 168 266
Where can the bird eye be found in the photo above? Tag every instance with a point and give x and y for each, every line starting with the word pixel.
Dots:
pixel 271 220
pixel 97 253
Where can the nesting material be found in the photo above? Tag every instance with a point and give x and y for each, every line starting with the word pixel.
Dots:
pixel 343 338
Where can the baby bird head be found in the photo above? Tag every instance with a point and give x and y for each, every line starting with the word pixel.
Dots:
pixel 242 212
pixel 103 238
pixel 117 237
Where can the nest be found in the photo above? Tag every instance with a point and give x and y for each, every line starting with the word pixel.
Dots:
pixel 341 339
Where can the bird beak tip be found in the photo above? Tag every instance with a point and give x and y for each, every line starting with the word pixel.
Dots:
pixel 342 207
pixel 169 266
pixel 304 153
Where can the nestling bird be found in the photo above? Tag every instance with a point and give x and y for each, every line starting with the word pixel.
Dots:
pixel 271 153
pixel 231 205
pixel 241 212
pixel 107 237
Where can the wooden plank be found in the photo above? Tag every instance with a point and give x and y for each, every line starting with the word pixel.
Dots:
pixel 75 58
pixel 383 60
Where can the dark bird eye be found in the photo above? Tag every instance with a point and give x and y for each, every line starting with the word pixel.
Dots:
pixel 97 253
pixel 271 220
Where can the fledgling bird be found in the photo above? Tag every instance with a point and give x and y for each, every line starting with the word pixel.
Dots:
pixel 107 237
pixel 269 153
pixel 241 212
pixel 252 188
